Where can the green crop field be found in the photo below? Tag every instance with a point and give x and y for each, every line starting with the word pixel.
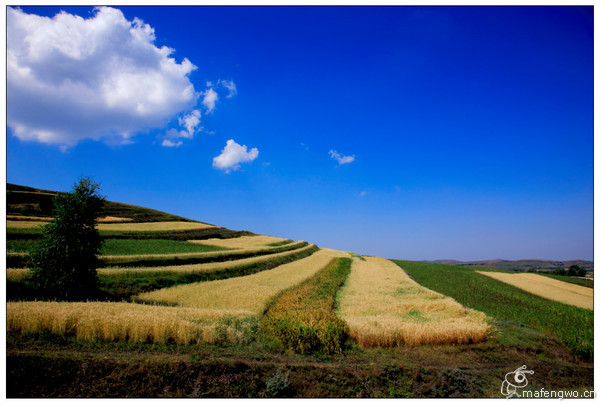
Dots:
pixel 572 325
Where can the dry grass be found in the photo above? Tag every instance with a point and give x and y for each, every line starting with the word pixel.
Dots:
pixel 16 274
pixel 112 219
pixel 24 224
pixel 195 268
pixel 128 322
pixel 548 288
pixel 384 307
pixel 29 218
pixel 244 242
pixel 153 226
pixel 247 294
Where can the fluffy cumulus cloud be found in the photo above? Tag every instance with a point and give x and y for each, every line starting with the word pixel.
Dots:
pixel 233 155
pixel 341 159
pixel 70 78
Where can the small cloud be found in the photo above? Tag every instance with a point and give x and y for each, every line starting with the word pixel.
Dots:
pixel 266 164
pixel 363 193
pixel 229 85
pixel 190 122
pixel 210 99
pixel 341 159
pixel 304 146
pixel 170 143
pixel 233 155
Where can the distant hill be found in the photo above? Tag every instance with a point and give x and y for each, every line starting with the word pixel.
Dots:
pixel 521 265
pixel 27 201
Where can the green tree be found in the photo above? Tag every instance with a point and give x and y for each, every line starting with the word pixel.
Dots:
pixel 573 270
pixel 64 264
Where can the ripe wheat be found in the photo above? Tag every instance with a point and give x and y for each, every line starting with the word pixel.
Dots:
pixel 127 322
pixel 384 307
pixel 548 288
pixel 249 294
pixel 244 242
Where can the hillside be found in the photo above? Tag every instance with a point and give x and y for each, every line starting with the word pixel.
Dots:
pixel 520 265
pixel 187 309
pixel 33 202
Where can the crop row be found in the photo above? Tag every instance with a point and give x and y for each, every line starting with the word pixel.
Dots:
pixel 303 318
pixel 223 310
pixel 384 307
pixel 181 256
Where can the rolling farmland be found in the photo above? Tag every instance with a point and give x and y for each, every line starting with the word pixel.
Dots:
pixel 548 288
pixel 189 309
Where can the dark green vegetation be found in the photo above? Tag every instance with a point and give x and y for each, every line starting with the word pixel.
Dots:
pixel 280 243
pixel 303 318
pixel 520 265
pixel 574 270
pixel 571 325
pixel 128 246
pixel 29 201
pixel 51 366
pixel 171 257
pixel 64 262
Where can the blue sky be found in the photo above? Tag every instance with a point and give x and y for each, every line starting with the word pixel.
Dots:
pixel 405 132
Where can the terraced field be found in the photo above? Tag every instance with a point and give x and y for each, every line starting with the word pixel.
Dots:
pixel 177 295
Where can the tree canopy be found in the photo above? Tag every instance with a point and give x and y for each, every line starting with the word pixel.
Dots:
pixel 64 264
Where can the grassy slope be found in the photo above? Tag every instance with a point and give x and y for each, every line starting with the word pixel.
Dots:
pixel 572 325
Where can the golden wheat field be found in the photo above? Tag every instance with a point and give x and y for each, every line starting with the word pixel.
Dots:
pixel 194 268
pixel 25 224
pixel 384 307
pixel 112 219
pixel 16 274
pixel 108 321
pixel 201 312
pixel 240 242
pixel 29 218
pixel 246 294
pixel 548 288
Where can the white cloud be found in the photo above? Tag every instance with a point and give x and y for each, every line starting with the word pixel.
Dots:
pixel 210 99
pixel 229 85
pixel 171 143
pixel 70 78
pixel 232 155
pixel 190 122
pixel 363 193
pixel 341 159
